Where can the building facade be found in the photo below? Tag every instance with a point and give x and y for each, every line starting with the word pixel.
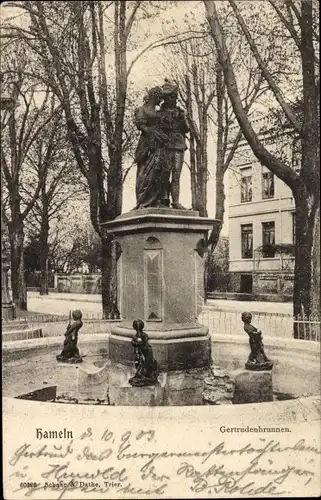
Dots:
pixel 261 227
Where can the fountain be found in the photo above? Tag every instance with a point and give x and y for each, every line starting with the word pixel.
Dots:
pixel 158 354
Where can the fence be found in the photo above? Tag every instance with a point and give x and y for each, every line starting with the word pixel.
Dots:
pixel 223 322
pixel 271 325
pixel 53 326
pixel 307 327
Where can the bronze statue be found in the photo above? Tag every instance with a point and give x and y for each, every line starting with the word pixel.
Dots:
pixel 160 151
pixel 151 154
pixel 70 352
pixel 146 365
pixel 257 359
pixel 173 123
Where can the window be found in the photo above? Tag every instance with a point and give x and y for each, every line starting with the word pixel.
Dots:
pixel 267 185
pixel 268 239
pixel 246 188
pixel 246 283
pixel 247 241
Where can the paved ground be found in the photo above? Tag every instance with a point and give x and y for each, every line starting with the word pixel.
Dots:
pixel 62 303
pixel 240 306
pixel 57 303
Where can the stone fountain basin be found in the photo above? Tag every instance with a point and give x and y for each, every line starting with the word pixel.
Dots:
pixel 31 364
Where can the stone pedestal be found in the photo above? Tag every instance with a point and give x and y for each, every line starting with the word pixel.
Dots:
pixel 219 387
pixel 7 312
pixel 7 308
pixel 171 354
pixel 185 388
pixel 82 381
pixel 127 395
pixel 121 393
pixel 253 387
pixel 161 281
pixel 174 388
pixel 93 382
pixel 67 380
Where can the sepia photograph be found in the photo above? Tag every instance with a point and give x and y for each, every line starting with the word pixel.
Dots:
pixel 160 249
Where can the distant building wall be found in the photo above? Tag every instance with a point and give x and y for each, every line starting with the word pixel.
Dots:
pixel 261 210
pixel 78 283
pixel 33 279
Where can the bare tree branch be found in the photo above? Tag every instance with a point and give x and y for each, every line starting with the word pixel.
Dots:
pixel 267 75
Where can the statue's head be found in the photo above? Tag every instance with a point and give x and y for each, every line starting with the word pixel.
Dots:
pixel 246 317
pixel 170 92
pixel 138 325
pixel 76 315
pixel 154 95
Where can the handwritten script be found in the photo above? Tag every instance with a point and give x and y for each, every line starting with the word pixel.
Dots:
pixel 141 462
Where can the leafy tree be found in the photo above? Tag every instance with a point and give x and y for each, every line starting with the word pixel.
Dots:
pixel 93 255
pixel 81 49
pixel 31 254
pixel 195 68
pixel 217 267
pixel 298 19
pixel 61 182
pixel 70 237
pixel 21 127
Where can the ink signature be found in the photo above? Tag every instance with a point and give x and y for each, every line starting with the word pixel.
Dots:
pixel 138 464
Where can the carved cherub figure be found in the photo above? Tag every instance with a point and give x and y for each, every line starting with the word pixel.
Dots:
pixel 257 359
pixel 70 352
pixel 146 365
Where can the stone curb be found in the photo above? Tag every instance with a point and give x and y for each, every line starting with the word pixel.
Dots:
pixel 71 299
pixel 291 412
pixel 290 344
pixel 15 345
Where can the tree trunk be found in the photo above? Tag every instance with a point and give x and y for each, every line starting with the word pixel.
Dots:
pixel 306 299
pixel 109 256
pixel 315 285
pixel 205 279
pixel 22 300
pixel 202 190
pixel 18 284
pixel 219 207
pixel 310 167
pixel 100 211
pixel 220 170
pixel 193 172
pixel 44 257
pixel 109 278
pixel 204 163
